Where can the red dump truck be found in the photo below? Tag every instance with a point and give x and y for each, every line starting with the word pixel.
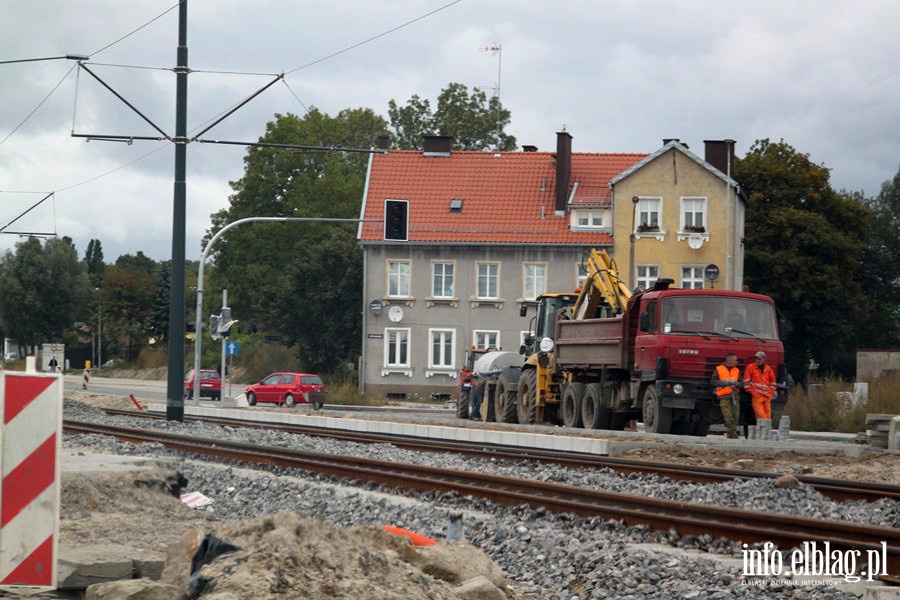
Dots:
pixel 655 360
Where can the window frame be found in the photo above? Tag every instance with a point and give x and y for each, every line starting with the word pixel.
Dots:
pixel 478 265
pixel 442 296
pixel 389 263
pixel 525 277
pixel 637 278
pixel 388 333
pixel 696 269
pixel 443 332
pixel 494 332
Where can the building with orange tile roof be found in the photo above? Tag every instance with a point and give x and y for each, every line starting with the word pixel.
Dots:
pixel 487 233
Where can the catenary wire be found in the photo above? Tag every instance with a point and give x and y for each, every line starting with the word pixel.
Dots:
pixel 374 37
pixel 168 10
pixel 40 104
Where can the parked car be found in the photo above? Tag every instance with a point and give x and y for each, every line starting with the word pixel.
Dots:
pixel 288 389
pixel 210 384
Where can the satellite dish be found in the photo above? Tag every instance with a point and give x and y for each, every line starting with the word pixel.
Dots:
pixel 695 241
pixel 395 314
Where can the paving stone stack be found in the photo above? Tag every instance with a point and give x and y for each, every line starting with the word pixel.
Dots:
pixel 879 428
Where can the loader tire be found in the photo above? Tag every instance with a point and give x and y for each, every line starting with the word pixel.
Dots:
pixel 527 401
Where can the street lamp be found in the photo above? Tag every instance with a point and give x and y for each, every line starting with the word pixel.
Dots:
pixel 99 330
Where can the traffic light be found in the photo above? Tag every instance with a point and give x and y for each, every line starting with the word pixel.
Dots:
pixel 396 220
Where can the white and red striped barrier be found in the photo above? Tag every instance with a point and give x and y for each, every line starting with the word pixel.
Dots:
pixel 30 447
pixel 87 378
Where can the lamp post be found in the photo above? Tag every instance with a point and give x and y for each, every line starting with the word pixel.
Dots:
pixel 99 330
pixel 632 268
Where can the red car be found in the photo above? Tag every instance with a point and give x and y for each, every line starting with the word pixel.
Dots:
pixel 210 384
pixel 288 389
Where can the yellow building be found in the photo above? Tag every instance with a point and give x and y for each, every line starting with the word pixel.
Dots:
pixel 678 216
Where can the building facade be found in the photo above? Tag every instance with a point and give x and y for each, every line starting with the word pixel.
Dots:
pixel 487 233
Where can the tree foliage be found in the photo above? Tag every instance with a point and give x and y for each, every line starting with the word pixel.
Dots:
pixel 93 261
pixel 474 121
pixel 258 262
pixel 126 298
pixel 45 289
pixel 804 243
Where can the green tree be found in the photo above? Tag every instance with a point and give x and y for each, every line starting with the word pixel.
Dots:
pixel 803 245
pixel 129 288
pixel 880 267
pixel 474 121
pixel 93 260
pixel 45 289
pixel 256 262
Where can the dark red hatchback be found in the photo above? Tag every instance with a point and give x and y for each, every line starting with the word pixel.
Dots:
pixel 210 384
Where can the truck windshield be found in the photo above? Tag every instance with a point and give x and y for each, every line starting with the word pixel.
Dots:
pixel 547 313
pixel 734 317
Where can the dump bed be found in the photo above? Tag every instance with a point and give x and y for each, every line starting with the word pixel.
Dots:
pixel 590 343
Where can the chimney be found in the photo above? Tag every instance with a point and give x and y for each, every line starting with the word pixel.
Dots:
pixel 720 154
pixel 437 145
pixel 563 169
pixel 529 148
pixel 383 142
pixel 667 140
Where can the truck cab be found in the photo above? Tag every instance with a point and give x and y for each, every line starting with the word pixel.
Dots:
pixel 680 336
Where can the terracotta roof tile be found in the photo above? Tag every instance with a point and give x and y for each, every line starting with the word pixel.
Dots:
pixel 508 197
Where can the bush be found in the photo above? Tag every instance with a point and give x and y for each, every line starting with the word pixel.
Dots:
pixel 152 358
pixel 830 405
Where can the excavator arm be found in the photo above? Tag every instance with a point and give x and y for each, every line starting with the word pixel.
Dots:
pixel 602 284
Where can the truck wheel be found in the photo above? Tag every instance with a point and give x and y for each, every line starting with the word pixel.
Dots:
pixel 657 418
pixel 506 395
pixel 571 405
pixel 462 405
pixel 527 400
pixel 701 427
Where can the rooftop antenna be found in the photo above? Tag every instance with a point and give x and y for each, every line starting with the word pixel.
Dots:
pixel 496 50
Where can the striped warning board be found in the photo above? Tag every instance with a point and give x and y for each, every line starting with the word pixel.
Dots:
pixel 30 445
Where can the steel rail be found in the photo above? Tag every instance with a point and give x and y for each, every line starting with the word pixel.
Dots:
pixel 751 527
pixel 836 489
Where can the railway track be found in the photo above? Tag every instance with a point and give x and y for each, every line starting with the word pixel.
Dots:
pixel 686 518
pixel 836 489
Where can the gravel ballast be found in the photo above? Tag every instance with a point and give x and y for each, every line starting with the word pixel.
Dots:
pixel 547 555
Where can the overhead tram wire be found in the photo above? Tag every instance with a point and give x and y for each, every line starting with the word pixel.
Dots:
pixel 40 104
pixel 167 11
pixel 374 37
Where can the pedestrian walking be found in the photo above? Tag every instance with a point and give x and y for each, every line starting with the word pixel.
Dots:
pixel 53 364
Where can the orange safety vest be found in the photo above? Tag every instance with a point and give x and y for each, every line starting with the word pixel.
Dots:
pixel 724 373
pixel 759 381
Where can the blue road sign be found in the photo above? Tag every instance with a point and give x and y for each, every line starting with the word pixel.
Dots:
pixel 231 348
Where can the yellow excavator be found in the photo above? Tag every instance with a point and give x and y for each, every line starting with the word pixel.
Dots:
pixel 537 396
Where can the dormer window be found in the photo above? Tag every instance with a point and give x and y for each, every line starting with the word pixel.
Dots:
pixel 589 219
pixel 456 205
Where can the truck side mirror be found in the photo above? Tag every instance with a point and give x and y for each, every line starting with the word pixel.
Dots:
pixel 645 321
pixel 523 310
pixel 782 328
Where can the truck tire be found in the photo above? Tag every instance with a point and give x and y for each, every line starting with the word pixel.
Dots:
pixel 701 427
pixel 462 405
pixel 571 405
pixel 657 418
pixel 527 397
pixel 505 397
pixel 593 415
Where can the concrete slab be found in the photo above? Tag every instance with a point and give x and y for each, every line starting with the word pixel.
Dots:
pixel 82 566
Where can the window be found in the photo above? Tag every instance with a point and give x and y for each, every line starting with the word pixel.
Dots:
pixel 443 342
pixel 535 280
pixel 647 276
pixel 442 280
pixel 486 339
pixel 398 278
pixel 580 275
pixel 692 278
pixel 289 378
pixel 488 282
pixel 648 216
pixel 693 214
pixel 589 219
pixel 396 347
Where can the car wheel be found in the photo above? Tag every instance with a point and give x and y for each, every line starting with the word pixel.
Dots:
pixel 251 399
pixel 289 401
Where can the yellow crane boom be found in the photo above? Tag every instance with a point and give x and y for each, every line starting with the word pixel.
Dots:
pixel 602 284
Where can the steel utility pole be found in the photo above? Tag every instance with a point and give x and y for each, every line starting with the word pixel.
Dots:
pixel 174 390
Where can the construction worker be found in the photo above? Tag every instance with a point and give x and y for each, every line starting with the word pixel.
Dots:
pixel 726 382
pixel 759 381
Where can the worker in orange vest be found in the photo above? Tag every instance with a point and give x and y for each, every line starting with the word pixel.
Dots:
pixel 759 381
pixel 726 382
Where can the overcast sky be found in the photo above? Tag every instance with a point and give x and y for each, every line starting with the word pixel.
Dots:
pixel 823 75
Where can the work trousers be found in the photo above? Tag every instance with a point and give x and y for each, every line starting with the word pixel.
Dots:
pixel 762 406
pixel 730 412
